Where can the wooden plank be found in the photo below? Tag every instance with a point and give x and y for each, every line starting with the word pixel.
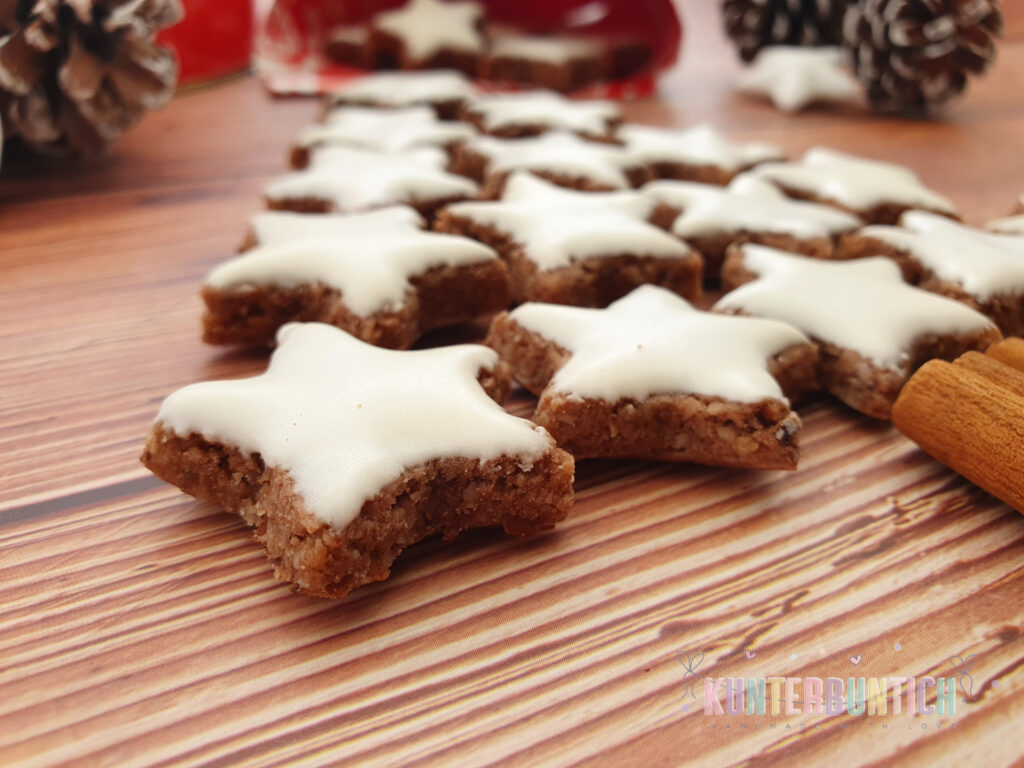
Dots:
pixel 138 627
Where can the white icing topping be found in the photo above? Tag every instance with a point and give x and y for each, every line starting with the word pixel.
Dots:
pixel 796 77
pixel 556 152
pixel 558 227
pixel 427 27
pixel 403 89
pixel 384 130
pixel 357 180
pixel 700 145
pixel 282 227
pixel 862 305
pixel 653 342
pixel 855 182
pixel 546 108
pixel 371 269
pixel 746 205
pixel 984 264
pixel 345 419
pixel 546 49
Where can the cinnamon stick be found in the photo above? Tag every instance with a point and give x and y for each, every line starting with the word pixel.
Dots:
pixel 969 415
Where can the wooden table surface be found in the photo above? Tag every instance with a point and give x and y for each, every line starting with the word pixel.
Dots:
pixel 138 627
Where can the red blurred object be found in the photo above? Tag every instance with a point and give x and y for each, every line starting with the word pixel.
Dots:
pixel 214 39
pixel 292 41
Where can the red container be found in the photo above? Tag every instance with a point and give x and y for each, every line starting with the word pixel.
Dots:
pixel 292 40
pixel 213 40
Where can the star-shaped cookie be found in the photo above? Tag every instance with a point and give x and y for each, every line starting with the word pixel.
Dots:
pixel 560 62
pixel 378 276
pixel 877 192
pixel 583 248
pixel 874 330
pixel 529 113
pixel 342 454
pixel 695 154
pixel 749 210
pixel 794 78
pixel 348 180
pixel 379 130
pixel 652 377
pixel 444 91
pixel 561 158
pixel 430 34
pixel 982 269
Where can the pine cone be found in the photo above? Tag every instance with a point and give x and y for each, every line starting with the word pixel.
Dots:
pixel 76 73
pixel 915 54
pixel 757 24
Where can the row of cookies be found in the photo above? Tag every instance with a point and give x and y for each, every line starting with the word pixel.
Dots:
pixel 429 34
pixel 344 453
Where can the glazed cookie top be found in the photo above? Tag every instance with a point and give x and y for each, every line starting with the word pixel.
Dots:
pixel 557 152
pixel 384 130
pixel 794 77
pixel 653 342
pixel 283 227
pixel 549 49
pixel 701 145
pixel 1012 224
pixel 358 179
pixel 544 108
pixel 984 264
pixel 862 305
pixel 427 27
pixel 855 182
pixel 371 268
pixel 403 89
pixel 345 419
pixel 748 204
pixel 557 227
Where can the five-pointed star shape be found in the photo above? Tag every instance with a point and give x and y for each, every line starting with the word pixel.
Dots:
pixel 544 108
pixel 345 419
pixel 794 78
pixel 369 258
pixel 357 180
pixel 748 204
pixel 654 342
pixel 383 130
pixel 857 183
pixel 982 263
pixel 559 153
pixel 557 226
pixel 429 26
pixel 700 145
pixel 862 305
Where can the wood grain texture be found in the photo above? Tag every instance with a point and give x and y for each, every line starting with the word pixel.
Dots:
pixel 138 627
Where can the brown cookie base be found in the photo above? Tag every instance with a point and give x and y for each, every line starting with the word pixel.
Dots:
pixel 426 208
pixel 593 282
pixel 440 296
pixel 1005 310
pixel 672 427
pixel 570 76
pixel 705 174
pixel 855 379
pixel 443 496
pixel 349 46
